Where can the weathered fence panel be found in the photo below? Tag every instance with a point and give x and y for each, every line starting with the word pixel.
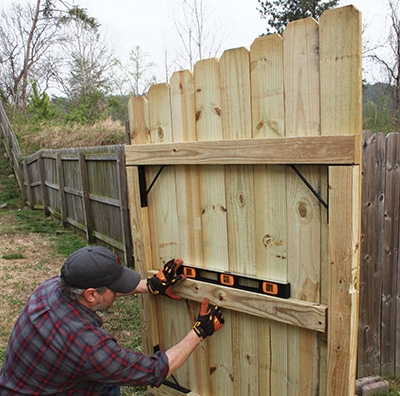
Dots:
pixel 84 189
pixel 379 335
pixel 227 200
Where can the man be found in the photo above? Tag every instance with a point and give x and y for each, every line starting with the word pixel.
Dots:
pixel 58 347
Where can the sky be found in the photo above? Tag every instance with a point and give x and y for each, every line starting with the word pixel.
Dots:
pixel 148 24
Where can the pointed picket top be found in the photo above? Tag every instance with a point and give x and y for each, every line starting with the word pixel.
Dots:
pixel 301 76
pixel 138 115
pixel 341 71
pixel 267 90
pixel 160 113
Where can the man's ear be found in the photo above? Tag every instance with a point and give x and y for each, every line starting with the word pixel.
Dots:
pixel 90 295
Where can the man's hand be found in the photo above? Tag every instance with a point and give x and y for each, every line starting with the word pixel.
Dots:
pixel 208 321
pixel 162 282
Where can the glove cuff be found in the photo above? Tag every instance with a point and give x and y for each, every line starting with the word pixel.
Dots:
pixel 199 330
pixel 151 287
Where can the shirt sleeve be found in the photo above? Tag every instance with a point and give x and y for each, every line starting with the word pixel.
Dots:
pixel 110 363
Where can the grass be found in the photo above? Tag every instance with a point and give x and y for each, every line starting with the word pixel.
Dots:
pixel 394 385
pixel 13 256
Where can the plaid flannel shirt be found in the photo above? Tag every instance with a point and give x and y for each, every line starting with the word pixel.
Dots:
pixel 58 347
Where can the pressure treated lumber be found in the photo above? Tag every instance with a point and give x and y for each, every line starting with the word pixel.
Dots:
pixel 304 213
pixel 242 361
pixel 212 201
pixel 344 244
pixel 254 113
pixel 268 121
pixel 341 69
pixel 291 311
pixel 329 150
pixel 188 218
pixel 141 241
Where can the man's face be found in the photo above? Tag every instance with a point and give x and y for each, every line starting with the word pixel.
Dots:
pixel 105 300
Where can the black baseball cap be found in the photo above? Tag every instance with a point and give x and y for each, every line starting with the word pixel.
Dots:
pixel 97 266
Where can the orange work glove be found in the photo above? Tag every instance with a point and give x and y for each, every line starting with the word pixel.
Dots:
pixel 162 282
pixel 208 321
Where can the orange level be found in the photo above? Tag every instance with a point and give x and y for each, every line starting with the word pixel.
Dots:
pixel 236 281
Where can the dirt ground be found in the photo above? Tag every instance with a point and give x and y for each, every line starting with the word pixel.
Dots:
pixel 19 277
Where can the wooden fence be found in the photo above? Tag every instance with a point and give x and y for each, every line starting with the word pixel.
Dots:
pixel 379 324
pixel 99 208
pixel 84 188
pixel 228 199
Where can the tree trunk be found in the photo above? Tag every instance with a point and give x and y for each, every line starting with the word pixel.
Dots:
pixel 25 70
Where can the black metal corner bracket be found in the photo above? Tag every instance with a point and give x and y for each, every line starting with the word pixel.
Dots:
pixel 311 188
pixel 142 184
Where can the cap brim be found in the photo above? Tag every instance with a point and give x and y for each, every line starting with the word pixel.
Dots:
pixel 127 282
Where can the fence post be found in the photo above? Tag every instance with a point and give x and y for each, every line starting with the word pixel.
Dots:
pixel 61 184
pixel 43 187
pixel 86 198
pixel 123 194
pixel 27 183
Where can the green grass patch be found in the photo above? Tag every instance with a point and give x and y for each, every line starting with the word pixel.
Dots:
pixel 13 256
pixel 2 353
pixel 7 219
pixel 394 386
pixel 123 319
pixel 67 243
pixel 34 221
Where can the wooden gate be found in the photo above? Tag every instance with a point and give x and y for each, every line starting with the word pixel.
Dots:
pixel 252 167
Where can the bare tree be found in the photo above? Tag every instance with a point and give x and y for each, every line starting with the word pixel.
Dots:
pixel 390 64
pixel 87 74
pixel 27 36
pixel 199 35
pixel 25 39
pixel 88 61
pixel 138 74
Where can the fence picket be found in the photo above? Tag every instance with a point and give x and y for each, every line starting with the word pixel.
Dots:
pixel 212 204
pixel 266 57
pixel 373 206
pixel 302 111
pixel 390 256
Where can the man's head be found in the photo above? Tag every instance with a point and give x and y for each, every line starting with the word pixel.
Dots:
pixel 97 267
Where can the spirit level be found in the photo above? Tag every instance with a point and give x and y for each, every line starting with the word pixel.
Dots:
pixel 269 287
